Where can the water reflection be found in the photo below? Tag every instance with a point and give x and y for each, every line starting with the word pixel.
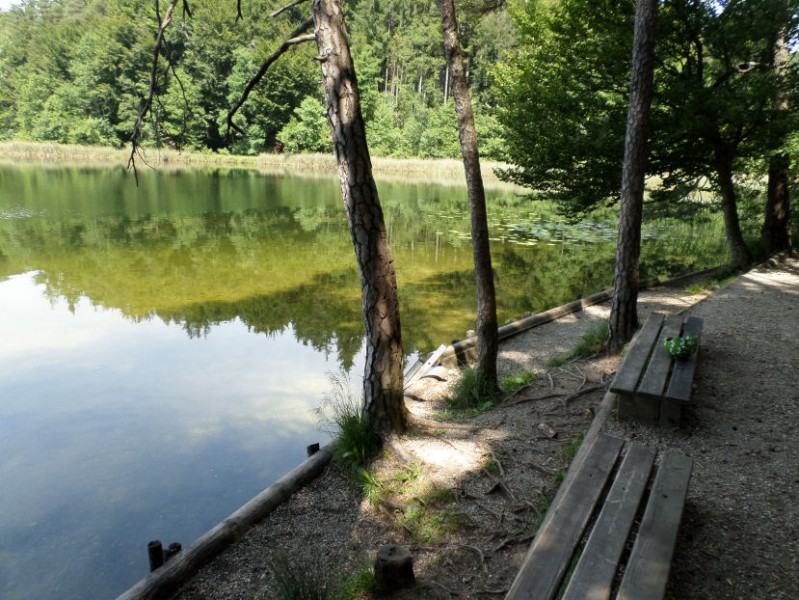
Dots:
pixel 115 433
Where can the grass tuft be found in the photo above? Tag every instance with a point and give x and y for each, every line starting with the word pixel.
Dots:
pixel 303 579
pixel 356 443
pixel 591 343
pixel 473 391
pixel 360 584
pixel 513 383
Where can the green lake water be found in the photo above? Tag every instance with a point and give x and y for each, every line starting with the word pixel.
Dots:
pixel 163 347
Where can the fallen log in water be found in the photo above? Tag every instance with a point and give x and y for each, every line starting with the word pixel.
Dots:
pixel 165 580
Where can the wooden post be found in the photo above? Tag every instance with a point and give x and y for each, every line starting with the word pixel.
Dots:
pixel 155 553
pixel 172 550
pixel 393 569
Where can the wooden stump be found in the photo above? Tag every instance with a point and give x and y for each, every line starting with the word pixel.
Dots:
pixel 393 569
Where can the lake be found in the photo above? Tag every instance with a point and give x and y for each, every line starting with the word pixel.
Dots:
pixel 163 346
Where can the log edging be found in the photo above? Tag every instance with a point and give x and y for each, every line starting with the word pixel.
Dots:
pixel 166 580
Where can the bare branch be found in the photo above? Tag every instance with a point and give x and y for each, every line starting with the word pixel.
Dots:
pixel 311 37
pixel 287 7
pixel 238 11
pixel 293 39
pixel 148 104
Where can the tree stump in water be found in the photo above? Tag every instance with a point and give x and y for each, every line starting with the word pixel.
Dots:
pixel 393 569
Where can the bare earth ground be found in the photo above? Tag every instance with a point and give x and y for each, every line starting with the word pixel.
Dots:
pixel 466 496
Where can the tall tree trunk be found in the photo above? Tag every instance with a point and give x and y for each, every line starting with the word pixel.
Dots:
pixel 776 234
pixel 729 204
pixel 487 336
pixel 624 308
pixel 383 395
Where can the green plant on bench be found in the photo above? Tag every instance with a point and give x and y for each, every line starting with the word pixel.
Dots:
pixel 680 347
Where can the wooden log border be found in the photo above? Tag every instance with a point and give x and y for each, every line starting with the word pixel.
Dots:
pixel 166 580
pixel 459 348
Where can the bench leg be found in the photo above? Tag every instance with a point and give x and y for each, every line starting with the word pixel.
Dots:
pixel 670 413
pixel 643 410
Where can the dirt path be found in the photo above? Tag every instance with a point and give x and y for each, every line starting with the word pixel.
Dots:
pixel 466 496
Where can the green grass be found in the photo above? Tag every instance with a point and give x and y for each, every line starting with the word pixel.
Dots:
pixel 305 578
pixel 570 450
pixel 472 391
pixel 355 441
pixel 592 342
pixel 513 383
pixel 428 524
pixel 359 584
pixel 721 278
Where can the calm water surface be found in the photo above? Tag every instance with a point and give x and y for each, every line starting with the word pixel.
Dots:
pixel 162 348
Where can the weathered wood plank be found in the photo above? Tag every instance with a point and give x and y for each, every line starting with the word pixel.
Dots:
pixel 593 577
pixel 555 542
pixel 632 367
pixel 648 569
pixel 653 383
pixel 682 375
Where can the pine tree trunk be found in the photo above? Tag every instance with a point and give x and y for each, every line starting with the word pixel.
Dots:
pixel 729 204
pixel 776 234
pixel 487 334
pixel 624 308
pixel 383 395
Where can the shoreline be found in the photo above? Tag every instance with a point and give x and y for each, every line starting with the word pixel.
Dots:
pixel 445 171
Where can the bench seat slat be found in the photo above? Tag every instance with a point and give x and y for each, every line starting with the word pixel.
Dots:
pixel 593 576
pixel 557 539
pixel 682 375
pixel 650 561
pixel 654 382
pixel 632 367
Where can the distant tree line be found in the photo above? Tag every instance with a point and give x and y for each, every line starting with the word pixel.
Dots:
pixel 76 71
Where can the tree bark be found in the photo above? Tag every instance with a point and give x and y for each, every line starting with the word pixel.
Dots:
pixel 776 234
pixel 624 307
pixel 384 404
pixel 487 336
pixel 729 204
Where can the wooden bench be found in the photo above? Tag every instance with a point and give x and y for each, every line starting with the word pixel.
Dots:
pixel 581 551
pixel 652 386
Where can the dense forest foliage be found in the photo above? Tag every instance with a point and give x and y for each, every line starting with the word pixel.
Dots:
pixel 549 83
pixel 77 71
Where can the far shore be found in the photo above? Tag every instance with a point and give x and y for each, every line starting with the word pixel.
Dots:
pixel 447 171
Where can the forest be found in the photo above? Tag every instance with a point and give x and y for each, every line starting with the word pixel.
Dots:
pixel 548 79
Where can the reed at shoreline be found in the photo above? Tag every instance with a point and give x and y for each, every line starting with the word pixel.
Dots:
pixel 448 171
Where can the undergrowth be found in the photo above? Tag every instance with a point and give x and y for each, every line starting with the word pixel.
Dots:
pixel 473 391
pixel 355 442
pixel 513 383
pixel 592 342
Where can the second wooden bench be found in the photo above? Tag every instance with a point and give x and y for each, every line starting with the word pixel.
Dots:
pixel 652 386
pixel 581 551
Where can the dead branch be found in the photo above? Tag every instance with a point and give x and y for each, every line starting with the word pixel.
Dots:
pixel 306 24
pixel 148 104
pixel 287 7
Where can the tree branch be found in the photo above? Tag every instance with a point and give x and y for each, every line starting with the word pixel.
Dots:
pixel 296 37
pixel 148 104
pixel 287 7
